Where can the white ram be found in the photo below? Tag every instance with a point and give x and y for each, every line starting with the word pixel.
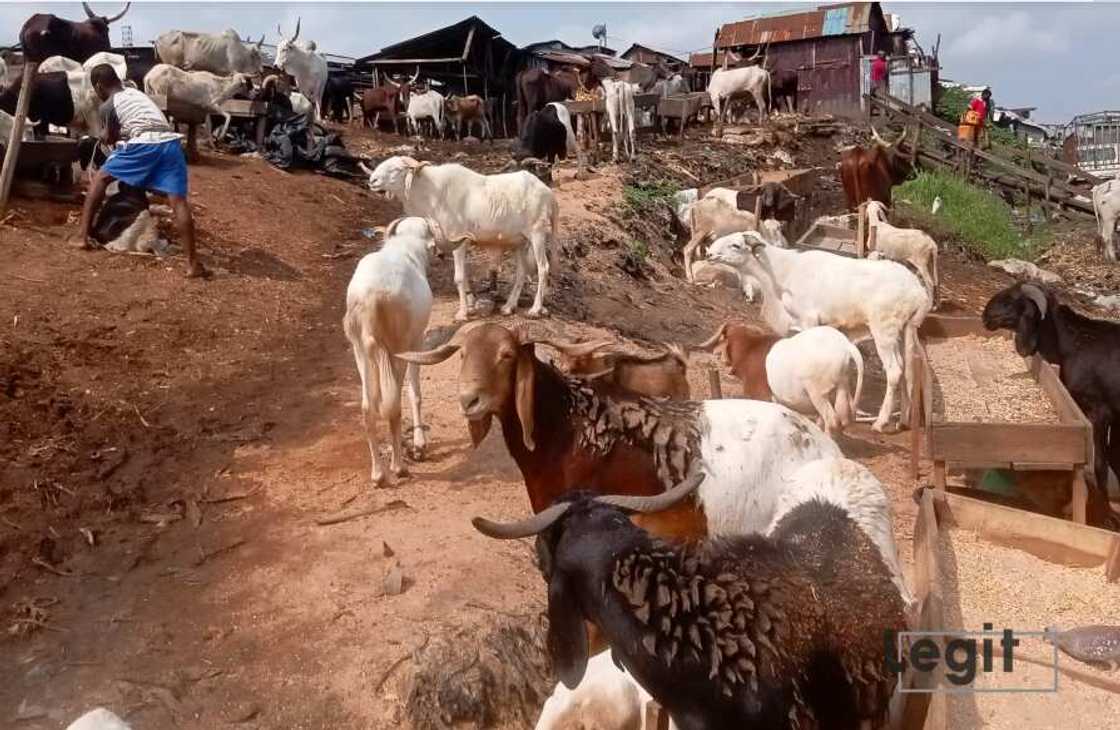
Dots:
pixel 512 211
pixel 905 245
pixel 804 371
pixel 712 217
pixel 200 88
pixel 808 288
pixel 388 303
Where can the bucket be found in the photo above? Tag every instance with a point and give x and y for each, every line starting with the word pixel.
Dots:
pixel 966 132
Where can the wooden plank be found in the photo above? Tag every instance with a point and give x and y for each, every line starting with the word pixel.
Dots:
pixel 922 708
pixel 997 521
pixel 656 718
pixel 1048 378
pixel 1011 442
pixel 916 397
pixel 1080 497
pixel 939 475
pixel 943 326
pixel 1112 566
pixel 714 383
pixel 15 139
pixel 244 108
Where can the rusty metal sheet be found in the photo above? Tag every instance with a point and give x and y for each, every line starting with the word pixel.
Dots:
pixel 843 19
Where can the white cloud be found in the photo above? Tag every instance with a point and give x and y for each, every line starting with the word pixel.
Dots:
pixel 1018 32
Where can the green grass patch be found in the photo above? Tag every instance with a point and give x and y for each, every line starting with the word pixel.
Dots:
pixel 639 249
pixel 644 196
pixel 975 218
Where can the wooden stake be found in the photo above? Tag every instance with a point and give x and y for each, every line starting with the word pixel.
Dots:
pixel 872 239
pixel 15 140
pixel 758 207
pixel 915 414
pixel 656 718
pixel 861 230
pixel 1112 567
pixel 714 384
pixel 939 475
pixel 1080 495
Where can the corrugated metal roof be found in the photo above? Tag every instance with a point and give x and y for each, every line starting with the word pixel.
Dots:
pixel 826 20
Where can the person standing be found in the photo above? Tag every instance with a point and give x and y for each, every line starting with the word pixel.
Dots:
pixel 982 106
pixel 880 73
pixel 151 158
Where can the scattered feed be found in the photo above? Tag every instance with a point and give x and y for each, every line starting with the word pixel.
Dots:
pixel 987 583
pixel 983 379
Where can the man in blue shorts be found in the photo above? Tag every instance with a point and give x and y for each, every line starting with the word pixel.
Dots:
pixel 151 158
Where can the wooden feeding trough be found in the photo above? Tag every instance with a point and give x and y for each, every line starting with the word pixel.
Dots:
pixel 180 112
pixel 682 107
pixel 257 111
pixel 1055 437
pixel 966 550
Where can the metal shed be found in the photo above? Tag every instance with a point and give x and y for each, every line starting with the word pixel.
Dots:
pixel 1093 143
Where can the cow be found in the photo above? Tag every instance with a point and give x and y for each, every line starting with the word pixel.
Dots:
pixel 116 60
pixel 468 110
pixel 61 98
pixel 1106 208
pixel 219 53
pixel 537 87
pixel 619 99
pixel 544 137
pixel 727 84
pixel 870 173
pixel 389 98
pixel 307 67
pixel 200 88
pixel 337 96
pixel 45 35
pixel 426 105
pixel 783 86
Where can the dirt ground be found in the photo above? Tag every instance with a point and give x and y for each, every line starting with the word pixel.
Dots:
pixel 167 447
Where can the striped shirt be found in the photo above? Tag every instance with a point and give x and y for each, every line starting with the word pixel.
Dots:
pixel 139 119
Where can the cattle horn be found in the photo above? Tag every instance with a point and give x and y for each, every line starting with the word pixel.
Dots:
pixel 1037 296
pixel 116 17
pixel 657 502
pixel 260 42
pixel 715 339
pixel 575 349
pixel 415 76
pixel 523 528
pixel 298 19
pixel 883 142
pixel 361 164
pixel 89 13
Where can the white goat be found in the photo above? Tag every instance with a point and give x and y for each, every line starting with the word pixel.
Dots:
pixel 1106 208
pixel 388 303
pixel 428 105
pixel 905 245
pixel 805 370
pixel 771 231
pixel 619 100
pixel 99 719
pixel 607 698
pixel 513 211
pixel 809 288
pixel 200 88
pixel 710 218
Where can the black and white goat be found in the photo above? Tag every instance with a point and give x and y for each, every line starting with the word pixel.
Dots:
pixel 1086 350
pixel 783 630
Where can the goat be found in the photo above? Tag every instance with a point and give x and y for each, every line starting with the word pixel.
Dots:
pixel 388 303
pixel 566 433
pixel 745 631
pixel 905 245
pixel 659 376
pixel 817 288
pixel 803 371
pixel 503 211
pixel 744 348
pixel 200 88
pixel 1086 351
pixel 710 218
pixel 99 719
pixel 771 232
pixel 607 698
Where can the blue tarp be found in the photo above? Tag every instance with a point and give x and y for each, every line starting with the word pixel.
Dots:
pixel 835 22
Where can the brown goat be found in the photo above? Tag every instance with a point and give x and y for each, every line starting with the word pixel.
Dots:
pixel 745 348
pixel 659 376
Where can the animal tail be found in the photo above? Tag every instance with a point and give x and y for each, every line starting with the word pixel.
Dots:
pixel 847 411
pixel 910 345
pixel 677 351
pixel 360 324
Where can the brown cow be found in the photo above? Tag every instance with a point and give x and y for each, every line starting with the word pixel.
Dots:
pixel 390 98
pixel 45 35
pixel 869 174
pixel 468 110
pixel 537 87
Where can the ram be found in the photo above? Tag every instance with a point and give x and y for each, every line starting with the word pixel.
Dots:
pixel 657 376
pixel 905 245
pixel 508 211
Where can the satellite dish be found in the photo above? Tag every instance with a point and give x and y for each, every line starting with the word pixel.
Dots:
pixel 599 32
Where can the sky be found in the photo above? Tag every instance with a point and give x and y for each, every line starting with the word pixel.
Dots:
pixel 1055 56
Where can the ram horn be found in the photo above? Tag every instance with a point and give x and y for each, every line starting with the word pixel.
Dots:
pixel 575 349
pixel 361 164
pixel 444 351
pixel 657 502
pixel 260 42
pixel 710 343
pixel 1037 296
pixel 525 528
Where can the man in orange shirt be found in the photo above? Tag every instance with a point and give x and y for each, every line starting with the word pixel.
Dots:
pixel 982 106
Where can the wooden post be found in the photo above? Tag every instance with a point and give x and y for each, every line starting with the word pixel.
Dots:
pixel 192 142
pixel 656 718
pixel 714 384
pixel 1080 495
pixel 916 396
pixel 1112 565
pixel 758 207
pixel 15 139
pixel 872 239
pixel 1027 193
pixel 939 475
pixel 261 120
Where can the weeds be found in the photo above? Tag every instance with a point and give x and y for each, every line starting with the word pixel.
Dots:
pixel 639 249
pixel 640 198
pixel 977 218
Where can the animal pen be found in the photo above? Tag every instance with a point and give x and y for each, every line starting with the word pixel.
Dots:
pixel 469 57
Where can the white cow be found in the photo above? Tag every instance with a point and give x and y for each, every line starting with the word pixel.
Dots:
pixel 619 98
pixel 219 53
pixel 1106 206
pixel 307 67
pixel 428 105
pixel 200 88
pixel 727 84
pixel 116 60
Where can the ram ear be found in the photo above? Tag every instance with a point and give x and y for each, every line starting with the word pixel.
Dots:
pixel 567 633
pixel 523 394
pixel 1026 332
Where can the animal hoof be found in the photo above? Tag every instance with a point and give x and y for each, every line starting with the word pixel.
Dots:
pixel 507 311
pixel 462 315
pixel 541 312
pixel 401 472
pixel 379 481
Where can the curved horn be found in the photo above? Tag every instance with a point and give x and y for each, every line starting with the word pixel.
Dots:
pixel 364 169
pixel 575 349
pixel 279 32
pixel 715 339
pixel 89 13
pixel 260 42
pixel 878 139
pixel 757 53
pixel 298 19
pixel 118 16
pixel 1037 296
pixel 429 357
pixel 524 528
pixel 657 502
pixel 415 76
